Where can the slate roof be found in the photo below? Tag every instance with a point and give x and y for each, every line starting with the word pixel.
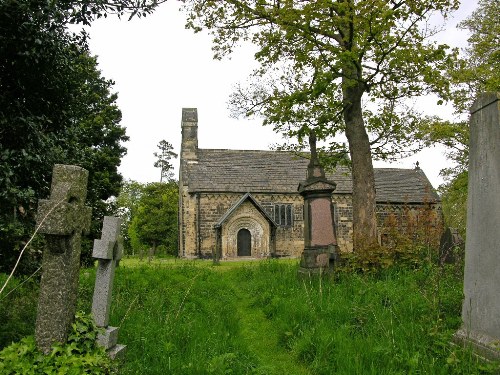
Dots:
pixel 257 171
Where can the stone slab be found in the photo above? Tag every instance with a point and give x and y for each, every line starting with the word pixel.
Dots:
pixel 117 352
pixel 108 338
pixel 481 306
pixel 101 302
pixel 483 345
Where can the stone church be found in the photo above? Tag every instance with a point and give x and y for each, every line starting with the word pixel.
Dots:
pixel 242 203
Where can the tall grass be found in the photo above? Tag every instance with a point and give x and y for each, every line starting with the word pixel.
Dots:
pixel 180 317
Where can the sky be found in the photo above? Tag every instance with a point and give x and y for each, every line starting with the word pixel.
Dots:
pixel 159 68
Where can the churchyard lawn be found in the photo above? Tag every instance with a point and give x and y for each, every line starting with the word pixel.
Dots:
pixel 261 317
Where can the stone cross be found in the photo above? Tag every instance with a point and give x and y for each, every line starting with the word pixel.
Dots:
pixel 481 306
pixel 314 169
pixel 108 251
pixel 61 219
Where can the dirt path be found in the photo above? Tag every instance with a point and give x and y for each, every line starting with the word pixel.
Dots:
pixel 262 339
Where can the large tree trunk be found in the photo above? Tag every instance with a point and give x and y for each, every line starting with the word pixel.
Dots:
pixel 363 178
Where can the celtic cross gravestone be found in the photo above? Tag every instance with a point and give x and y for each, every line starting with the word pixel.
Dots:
pixel 61 219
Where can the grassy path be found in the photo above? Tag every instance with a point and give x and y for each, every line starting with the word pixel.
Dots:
pixel 261 338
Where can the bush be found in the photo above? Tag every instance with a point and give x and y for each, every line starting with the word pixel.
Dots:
pixel 80 355
pixel 18 304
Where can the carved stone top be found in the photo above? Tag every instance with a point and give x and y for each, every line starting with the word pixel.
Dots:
pixel 189 114
pixel 64 213
pixel 316 180
pixel 110 245
pixel 314 169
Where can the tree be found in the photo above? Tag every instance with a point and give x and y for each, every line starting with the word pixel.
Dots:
pixel 477 70
pixel 155 222
pixel 164 156
pixel 127 204
pixel 54 108
pixel 320 61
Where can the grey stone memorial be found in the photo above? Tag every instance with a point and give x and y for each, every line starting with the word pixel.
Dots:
pixel 320 241
pixel 61 219
pixel 108 251
pixel 481 306
pixel 451 246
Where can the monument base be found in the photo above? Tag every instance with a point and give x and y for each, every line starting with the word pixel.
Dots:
pixel 117 352
pixel 483 345
pixel 317 260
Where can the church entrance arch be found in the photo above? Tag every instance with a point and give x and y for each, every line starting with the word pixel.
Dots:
pixel 244 243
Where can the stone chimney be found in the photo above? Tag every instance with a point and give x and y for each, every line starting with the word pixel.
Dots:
pixel 189 145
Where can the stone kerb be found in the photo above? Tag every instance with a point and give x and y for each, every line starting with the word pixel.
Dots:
pixel 481 306
pixel 108 251
pixel 61 219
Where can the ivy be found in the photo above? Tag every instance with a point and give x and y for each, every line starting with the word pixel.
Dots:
pixel 80 355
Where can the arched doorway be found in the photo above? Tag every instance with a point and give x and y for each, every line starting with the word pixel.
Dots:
pixel 244 243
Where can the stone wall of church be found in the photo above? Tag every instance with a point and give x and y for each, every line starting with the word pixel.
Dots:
pixel 202 211
pixel 422 223
pixel 343 220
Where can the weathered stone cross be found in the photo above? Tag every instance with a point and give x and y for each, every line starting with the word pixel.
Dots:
pixel 62 219
pixel 108 250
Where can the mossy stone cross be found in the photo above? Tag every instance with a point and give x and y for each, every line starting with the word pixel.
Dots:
pixel 61 219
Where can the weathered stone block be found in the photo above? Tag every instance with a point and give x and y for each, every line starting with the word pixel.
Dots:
pixel 117 352
pixel 108 338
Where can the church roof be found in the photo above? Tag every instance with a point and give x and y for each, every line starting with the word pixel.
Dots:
pixel 256 171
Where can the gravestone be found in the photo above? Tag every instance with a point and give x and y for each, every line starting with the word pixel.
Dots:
pixel 61 219
pixel 451 246
pixel 481 306
pixel 108 251
pixel 320 242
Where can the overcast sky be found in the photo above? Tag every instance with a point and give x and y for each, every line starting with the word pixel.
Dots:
pixel 160 67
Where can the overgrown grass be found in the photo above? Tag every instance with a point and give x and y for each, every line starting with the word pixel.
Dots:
pixel 191 317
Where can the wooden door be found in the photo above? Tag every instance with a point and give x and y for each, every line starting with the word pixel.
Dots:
pixel 244 243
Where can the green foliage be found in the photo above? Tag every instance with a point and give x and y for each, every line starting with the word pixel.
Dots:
pixel 127 204
pixel 18 304
pixel 80 355
pixel 454 202
pixel 155 221
pixel 477 70
pixel 55 108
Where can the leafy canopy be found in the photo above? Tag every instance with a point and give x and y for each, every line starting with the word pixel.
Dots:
pixel 155 220
pixel 336 67
pixel 55 107
pixel 312 52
